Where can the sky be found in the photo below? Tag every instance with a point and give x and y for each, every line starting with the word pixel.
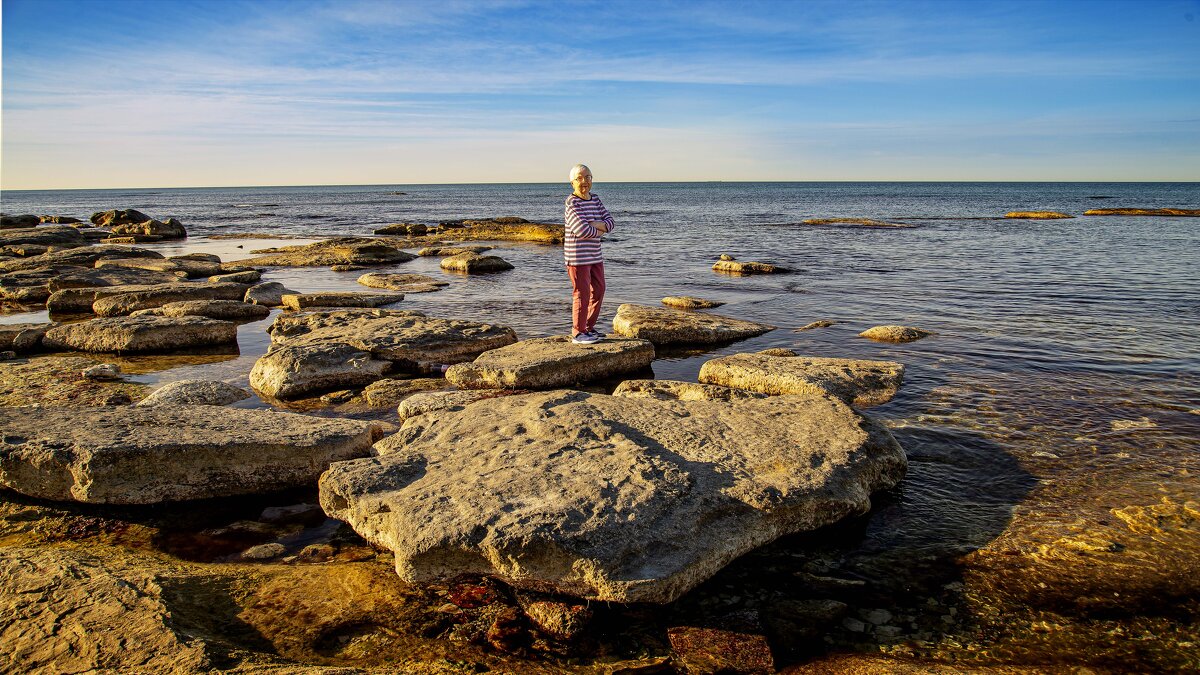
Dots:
pixel 174 93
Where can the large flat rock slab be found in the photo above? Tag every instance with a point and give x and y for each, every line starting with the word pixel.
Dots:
pixel 141 334
pixel 856 381
pixel 298 301
pixel 600 496
pixel 22 337
pixel 58 380
pixel 153 454
pixel 111 301
pixel 405 283
pixel 225 310
pixel 551 363
pixel 84 256
pixel 340 251
pixel 669 326
pixel 674 390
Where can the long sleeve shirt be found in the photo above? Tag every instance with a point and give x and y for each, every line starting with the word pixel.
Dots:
pixel 581 245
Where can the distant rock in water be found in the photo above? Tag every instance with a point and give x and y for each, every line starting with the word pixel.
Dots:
pixel 1037 215
pixel 118 217
pixel 894 333
pixel 688 302
pixel 738 267
pixel 408 229
pixel 406 283
pixel 340 251
pixel 168 229
pixel 823 323
pixel 444 251
pixel 18 222
pixel 1187 213
pixel 473 263
pixel 861 222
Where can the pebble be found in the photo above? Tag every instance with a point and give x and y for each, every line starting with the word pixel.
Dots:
pixel 103 372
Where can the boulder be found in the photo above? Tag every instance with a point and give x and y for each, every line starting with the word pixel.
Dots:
pixel 1143 212
pixel 600 497
pixel 340 251
pixel 671 390
pixel 225 310
pixel 445 251
pixel 473 263
pixel 243 277
pixel 405 283
pixel 387 393
pixel 738 267
pixel 111 301
pixel 168 229
pixel 196 392
pixel 668 326
pixel 85 256
pixel 8 222
pixel 118 217
pixel 62 220
pixel 23 338
pixel 858 382
pixel 551 363
pixel 1037 215
pixel 153 454
pixel 894 333
pixel 861 222
pixel 294 371
pixel 55 235
pixel 298 301
pixel 435 401
pixel 141 334
pixel 183 267
pixel 688 302
pixel 269 293
pixel 132 239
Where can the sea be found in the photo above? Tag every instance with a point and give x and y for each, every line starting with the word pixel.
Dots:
pixel 1061 383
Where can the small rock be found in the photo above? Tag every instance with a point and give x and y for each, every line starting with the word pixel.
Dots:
pixel 1037 215
pixel 346 268
pixel 735 267
pixel 338 396
pixel 557 619
pixel 853 625
pixel 264 551
pixel 894 333
pixel 688 302
pixel 816 324
pixel 7 356
pixel 726 257
pixel 317 552
pixel 269 293
pixel 778 351
pixel 105 372
pixel 196 392
pixel 473 263
pixel 888 631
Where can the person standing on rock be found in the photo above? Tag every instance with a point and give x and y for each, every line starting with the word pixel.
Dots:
pixel 586 221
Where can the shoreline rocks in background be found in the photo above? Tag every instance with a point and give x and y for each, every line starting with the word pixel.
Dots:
pixel 861 222
pixel 410 229
pixel 729 265
pixel 250 276
pixel 338 251
pixel 473 263
pixel 669 326
pixel 858 382
pixel 64 220
pixel 21 222
pixel 196 392
pixel 897 334
pixel 550 363
pixel 1037 215
pixel 49 235
pixel 141 334
pixel 114 217
pixel 1184 213
pixel 404 283
pixel 170 228
pixel 598 496
pixel 688 302
pixel 299 301
pixel 155 454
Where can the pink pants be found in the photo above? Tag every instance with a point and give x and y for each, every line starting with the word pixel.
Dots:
pixel 587 292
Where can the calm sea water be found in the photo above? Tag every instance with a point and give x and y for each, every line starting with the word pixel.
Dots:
pixel 1063 380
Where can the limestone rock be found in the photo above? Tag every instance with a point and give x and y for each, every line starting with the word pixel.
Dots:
pixel 23 338
pixel 669 326
pixel 225 310
pixel 1037 215
pixel 671 390
pixel 61 220
pixel 436 401
pixel 168 229
pixel 196 392
pixel 473 263
pixel 298 301
pixel 507 228
pixel 115 301
pixel 858 382
pixel 1143 212
pixel 56 380
pixel 405 283
pixel 8 222
pixel 42 236
pixel 118 217
pixel 269 293
pixel 37 284
pixel 446 251
pixel 184 267
pixel 599 496
pixel 141 334
pixel 339 251
pixel 389 392
pixel 293 371
pixel 778 351
pixel 688 302
pixel 84 256
pixel 550 363
pixel 411 229
pixel 823 323
pixel 132 239
pixel 243 277
pixel 104 372
pixel 153 454
pixel 894 333
pixel 737 267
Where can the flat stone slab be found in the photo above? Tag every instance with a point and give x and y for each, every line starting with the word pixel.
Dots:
pixel 894 333
pixel 673 390
pixel 473 263
pixel 298 301
pixel 84 256
pixel 858 382
pixel 405 283
pixel 242 277
pixel 22 337
pixel 668 326
pixel 600 496
pixel 389 392
pixel 56 380
pixel 551 363
pixel 154 454
pixel 225 310
pixel 1037 215
pixel 340 251
pixel 444 251
pixel 436 401
pixel 49 235
pixel 196 392
pixel 141 334
pixel 113 301
pixel 1185 213
pixel 688 302
pixel 186 267
pixel 37 284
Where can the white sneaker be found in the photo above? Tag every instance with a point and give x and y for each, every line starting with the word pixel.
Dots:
pixel 585 339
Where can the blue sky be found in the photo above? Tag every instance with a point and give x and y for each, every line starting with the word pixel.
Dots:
pixel 110 93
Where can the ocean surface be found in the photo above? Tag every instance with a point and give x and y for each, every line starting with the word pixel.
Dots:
pixel 1062 381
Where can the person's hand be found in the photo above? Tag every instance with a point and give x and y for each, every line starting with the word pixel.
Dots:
pixel 600 226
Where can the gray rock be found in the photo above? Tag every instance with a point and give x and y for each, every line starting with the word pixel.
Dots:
pixel 859 382
pixel 473 263
pixel 671 390
pixel 854 625
pixel 304 514
pixel 104 372
pixel 406 283
pixel 298 301
pixel 688 302
pixel 550 363
pixel 7 355
pixel 196 392
pixel 294 371
pixel 23 337
pixel 114 217
pixel 668 326
pixel 168 229
pixel 113 301
pixel 823 323
pixel 226 310
pixel 446 251
pixel 599 496
pixel 269 293
pixel 876 617
pixel 148 455
pixel 264 551
pixel 141 334
pixel 894 333
pixel 26 221
pixel 42 236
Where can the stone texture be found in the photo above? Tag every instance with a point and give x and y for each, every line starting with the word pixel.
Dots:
pixel 860 222
pixel 339 251
pixel 196 392
pixel 738 267
pixel 58 380
pixel 551 363
pixel 405 283
pixel 104 372
pixel 225 310
pixel 390 392
pixel 113 301
pixel 22 338
pixel 153 454
pixel 671 390
pixel 167 229
pixel 243 277
pixel 404 229
pixel 446 251
pixel 894 333
pixel 1037 215
pixel 473 263
pixel 114 217
pixel 1143 212
pixel 50 235
pixel 185 267
pixel 78 300
pixel 688 302
pixel 36 285
pixel 292 372
pixel 710 650
pixel 28 220
pixel 84 256
pixel 858 382
pixel 599 496
pixel 298 301
pixel 436 401
pixel 141 334
pixel 269 293
pixel 668 326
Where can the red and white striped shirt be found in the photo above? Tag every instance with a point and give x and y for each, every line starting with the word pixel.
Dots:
pixel 581 245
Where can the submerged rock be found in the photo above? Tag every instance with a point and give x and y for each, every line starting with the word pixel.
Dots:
pixel 552 362
pixel 298 301
pixel 894 333
pixel 445 251
pixel 340 251
pixel 669 326
pixel 58 380
pixel 405 283
pixel 599 496
pixel 141 334
pixel 738 267
pixel 473 263
pixel 858 382
pixel 153 454
pixel 861 222
pixel 196 392
pixel 710 650
pixel 688 302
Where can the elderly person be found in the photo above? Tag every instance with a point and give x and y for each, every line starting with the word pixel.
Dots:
pixel 586 221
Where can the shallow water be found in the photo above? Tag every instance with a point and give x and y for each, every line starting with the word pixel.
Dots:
pixel 1062 384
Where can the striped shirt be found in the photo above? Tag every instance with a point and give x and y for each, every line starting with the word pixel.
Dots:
pixel 581 245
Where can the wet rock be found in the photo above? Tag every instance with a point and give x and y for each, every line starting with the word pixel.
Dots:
pixel 141 334
pixel 168 229
pixel 405 283
pixel 688 302
pixel 60 220
pixel 225 310
pixel 549 363
pixel 446 251
pixel 298 301
pixel 118 217
pixel 597 496
pixel 300 514
pixel 117 301
pixel 78 300
pixel 726 257
pixel 861 222
pixel 430 402
pixel 153 454
pixel 293 371
pixel 18 222
pixel 56 380
pixel 264 551
pixel 737 267
pixel 778 351
pixel 1037 215
pixel 85 256
pixel 1143 212
pixel 709 650
pixel 243 277
pixel 185 267
pixel 894 333
pixel 196 392
pixel 473 263
pixel 23 338
pixel 556 618
pixel 104 372
pixel 858 382
pixel 269 293
pixel 823 323
pixel 54 235
pixel 671 390
pixel 36 285
pixel 404 229
pixel 340 251
pixel 346 268
pixel 69 612
pixel 390 392
pixel 669 326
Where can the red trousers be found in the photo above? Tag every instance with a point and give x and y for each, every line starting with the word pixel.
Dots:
pixel 587 292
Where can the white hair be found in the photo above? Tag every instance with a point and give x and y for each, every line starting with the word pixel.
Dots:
pixel 575 170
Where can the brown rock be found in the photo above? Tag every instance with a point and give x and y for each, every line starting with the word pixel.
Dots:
pixel 736 267
pixel 141 334
pixel 473 263
pixel 1143 212
pixel 298 301
pixel 862 222
pixel 1037 215
pixel 405 283
pixel 57 380
pixel 118 217
pixel 894 333
pixel 671 390
pixel 390 392
pixel 669 326
pixel 340 251
pixel 688 302
pixel 859 382
pixel 550 363
pixel 115 301
pixel 23 338
pixel 708 650
pixel 445 251
pixel 225 310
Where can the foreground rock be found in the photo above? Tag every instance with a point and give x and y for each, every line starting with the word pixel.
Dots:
pixel 894 333
pixel 340 251
pixel 1037 215
pixel 119 301
pixel 51 235
pixel 669 326
pixel 225 310
pixel 59 380
pixel 84 256
pixel 141 334
pixel 183 267
pixel 858 382
pixel 298 301
pixel 1143 212
pixel 551 363
pixel 405 283
pixel 196 392
pixel 153 454
pixel 35 286
pixel 390 392
pixel 672 390
pixel 22 338
pixel 435 401
pixel 599 496
pixel 319 351
pixel 732 266
pixel 688 302
pixel 473 263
